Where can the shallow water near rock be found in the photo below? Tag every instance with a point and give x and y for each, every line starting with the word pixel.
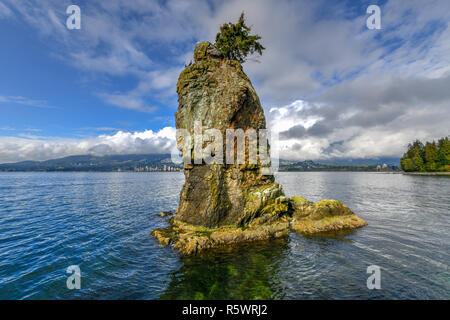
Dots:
pixel 102 222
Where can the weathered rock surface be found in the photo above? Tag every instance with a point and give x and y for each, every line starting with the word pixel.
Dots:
pixel 218 93
pixel 189 239
pixel 324 216
pixel 222 204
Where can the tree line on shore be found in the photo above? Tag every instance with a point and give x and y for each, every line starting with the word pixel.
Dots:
pixel 429 157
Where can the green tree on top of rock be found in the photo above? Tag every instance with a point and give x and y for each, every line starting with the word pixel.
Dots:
pixel 235 42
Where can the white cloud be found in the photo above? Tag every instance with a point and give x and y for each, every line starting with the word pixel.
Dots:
pixel 27 147
pixel 111 44
pixel 24 101
pixel 4 11
pixel 128 102
pixel 330 85
pixel 321 132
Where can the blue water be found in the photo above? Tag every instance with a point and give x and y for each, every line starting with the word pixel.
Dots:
pixel 102 223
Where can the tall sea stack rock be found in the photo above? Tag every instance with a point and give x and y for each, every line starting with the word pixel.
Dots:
pixel 222 204
pixel 216 93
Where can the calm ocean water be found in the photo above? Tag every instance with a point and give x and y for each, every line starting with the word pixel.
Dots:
pixel 102 222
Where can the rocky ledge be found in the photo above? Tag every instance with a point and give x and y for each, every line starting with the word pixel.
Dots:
pixel 294 214
pixel 323 216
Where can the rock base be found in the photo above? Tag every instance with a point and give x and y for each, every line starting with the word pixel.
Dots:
pixel 301 216
pixel 189 239
pixel 323 216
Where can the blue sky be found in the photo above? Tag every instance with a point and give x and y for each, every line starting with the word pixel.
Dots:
pixel 61 99
pixel 330 87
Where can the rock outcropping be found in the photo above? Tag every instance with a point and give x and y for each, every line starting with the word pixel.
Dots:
pixel 222 204
pixel 218 93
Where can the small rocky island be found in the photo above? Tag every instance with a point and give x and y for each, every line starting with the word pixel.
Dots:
pixel 223 204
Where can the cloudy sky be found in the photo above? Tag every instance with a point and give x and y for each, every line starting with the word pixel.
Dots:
pixel 330 87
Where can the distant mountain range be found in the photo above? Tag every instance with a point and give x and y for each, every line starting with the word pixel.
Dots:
pixel 128 162
pixel 365 165
pixel 163 162
pixel 391 161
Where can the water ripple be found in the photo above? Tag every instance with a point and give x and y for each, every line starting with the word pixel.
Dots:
pixel 102 221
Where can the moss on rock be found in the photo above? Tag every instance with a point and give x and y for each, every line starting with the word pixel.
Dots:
pixel 189 239
pixel 327 224
pixel 324 216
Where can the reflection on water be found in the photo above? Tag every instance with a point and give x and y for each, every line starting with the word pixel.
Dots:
pixel 102 222
pixel 241 272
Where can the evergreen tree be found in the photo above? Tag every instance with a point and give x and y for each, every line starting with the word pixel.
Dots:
pixel 431 156
pixel 417 156
pixel 407 164
pixel 443 160
pixel 235 42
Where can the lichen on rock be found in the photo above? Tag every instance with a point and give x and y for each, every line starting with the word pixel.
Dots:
pixel 324 216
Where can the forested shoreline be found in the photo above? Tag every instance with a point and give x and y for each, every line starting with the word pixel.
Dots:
pixel 429 157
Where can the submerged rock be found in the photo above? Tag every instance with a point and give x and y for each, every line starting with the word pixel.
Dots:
pixel 324 216
pixel 222 204
pixel 165 213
